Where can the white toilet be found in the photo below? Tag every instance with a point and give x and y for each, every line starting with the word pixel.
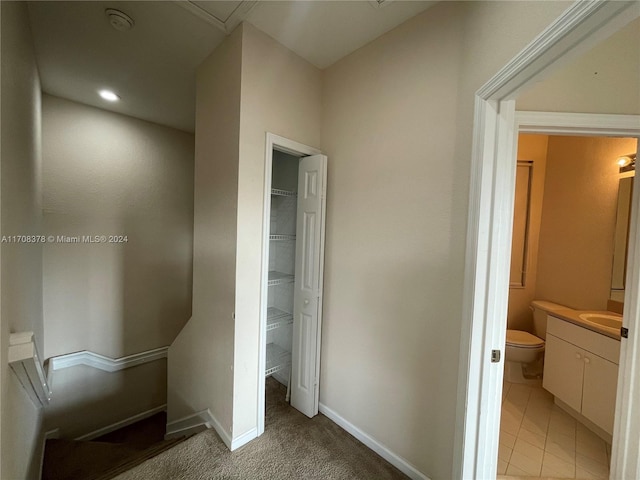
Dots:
pixel 524 351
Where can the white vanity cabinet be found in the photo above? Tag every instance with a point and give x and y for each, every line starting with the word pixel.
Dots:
pixel 599 391
pixel 564 371
pixel 581 370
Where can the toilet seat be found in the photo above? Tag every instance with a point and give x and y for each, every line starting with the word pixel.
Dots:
pixel 520 339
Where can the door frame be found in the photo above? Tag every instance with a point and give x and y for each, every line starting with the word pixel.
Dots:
pixel 489 226
pixel 286 145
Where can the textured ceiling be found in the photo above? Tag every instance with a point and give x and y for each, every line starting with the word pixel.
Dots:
pixel 152 66
pixel 324 32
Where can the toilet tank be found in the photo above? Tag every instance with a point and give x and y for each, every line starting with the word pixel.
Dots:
pixel 542 308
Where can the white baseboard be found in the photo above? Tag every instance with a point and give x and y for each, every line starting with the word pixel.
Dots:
pixel 51 434
pixel 123 423
pixel 396 460
pixel 186 432
pixel 244 439
pixel 217 426
pixel 189 424
pixel 194 423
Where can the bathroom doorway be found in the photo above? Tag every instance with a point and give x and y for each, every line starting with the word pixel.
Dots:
pixel 567 187
pixel 485 296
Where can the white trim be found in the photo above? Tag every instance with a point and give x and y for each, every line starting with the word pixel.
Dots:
pixel 575 31
pixel 121 424
pixel 556 123
pixel 190 424
pixel 243 439
pixel 323 235
pixel 285 145
pixel 107 364
pixel 492 186
pixel 212 422
pixel 239 14
pixel 194 423
pixel 51 434
pixel 201 13
pixel 25 363
pixel 396 460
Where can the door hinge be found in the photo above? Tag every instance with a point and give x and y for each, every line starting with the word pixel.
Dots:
pixel 495 356
pixel 624 332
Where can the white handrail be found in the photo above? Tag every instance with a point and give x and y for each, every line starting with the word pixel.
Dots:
pixel 25 362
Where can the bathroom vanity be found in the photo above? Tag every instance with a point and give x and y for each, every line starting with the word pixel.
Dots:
pixel 581 366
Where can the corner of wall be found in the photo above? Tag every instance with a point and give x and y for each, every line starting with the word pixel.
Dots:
pixel 200 371
pixel 21 282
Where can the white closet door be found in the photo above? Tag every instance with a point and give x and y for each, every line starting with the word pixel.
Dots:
pixel 307 306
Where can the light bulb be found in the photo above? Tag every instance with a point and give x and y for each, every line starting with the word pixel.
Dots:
pixel 109 95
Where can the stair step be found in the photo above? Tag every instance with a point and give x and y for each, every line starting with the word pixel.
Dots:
pixel 144 432
pixel 143 456
pixel 70 459
pixel 109 455
pixel 76 460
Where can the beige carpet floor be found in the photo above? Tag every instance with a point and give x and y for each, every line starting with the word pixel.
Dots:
pixel 292 447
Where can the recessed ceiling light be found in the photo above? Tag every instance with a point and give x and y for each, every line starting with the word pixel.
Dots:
pixel 109 95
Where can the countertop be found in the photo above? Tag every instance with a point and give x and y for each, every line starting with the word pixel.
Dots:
pixel 573 316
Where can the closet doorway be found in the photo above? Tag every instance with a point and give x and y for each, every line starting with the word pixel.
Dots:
pixel 292 272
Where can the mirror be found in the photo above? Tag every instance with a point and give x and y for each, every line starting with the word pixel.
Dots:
pixel 621 238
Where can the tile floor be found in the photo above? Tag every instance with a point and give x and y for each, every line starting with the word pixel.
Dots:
pixel 538 439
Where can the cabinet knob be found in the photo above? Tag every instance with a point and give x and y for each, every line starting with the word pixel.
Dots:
pixel 578 356
pixel 586 360
pixel 306 301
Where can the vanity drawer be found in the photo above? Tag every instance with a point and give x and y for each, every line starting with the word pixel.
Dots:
pixel 601 345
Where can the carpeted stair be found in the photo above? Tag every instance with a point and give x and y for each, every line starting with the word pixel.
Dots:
pixel 109 455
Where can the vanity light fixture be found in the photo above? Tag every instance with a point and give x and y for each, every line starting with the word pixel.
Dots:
pixel 109 95
pixel 627 163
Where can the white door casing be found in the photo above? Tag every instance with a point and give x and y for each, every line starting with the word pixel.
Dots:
pixel 292 147
pixel 308 284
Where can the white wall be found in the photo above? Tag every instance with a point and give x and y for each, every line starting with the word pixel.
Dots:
pixel 397 127
pixel 393 262
pixel 21 264
pixel 110 174
pixel 281 94
pixel 201 358
pixel 250 85
pixel 397 123
pixel 86 399
pixel 586 84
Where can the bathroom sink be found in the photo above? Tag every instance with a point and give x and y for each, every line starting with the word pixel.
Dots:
pixel 603 320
